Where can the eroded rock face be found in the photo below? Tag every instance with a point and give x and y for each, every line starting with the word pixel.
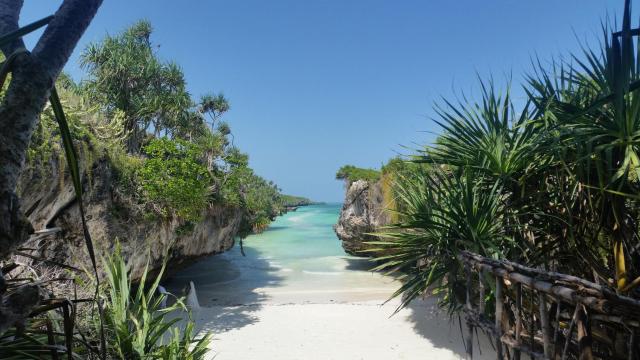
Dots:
pixel 363 212
pixel 49 202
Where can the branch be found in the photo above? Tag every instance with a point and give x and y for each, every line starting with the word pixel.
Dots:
pixel 63 33
pixel 9 14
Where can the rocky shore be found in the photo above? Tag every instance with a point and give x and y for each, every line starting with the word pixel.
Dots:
pixel 49 200
pixel 363 212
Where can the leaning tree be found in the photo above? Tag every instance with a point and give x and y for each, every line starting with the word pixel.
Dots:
pixel 33 74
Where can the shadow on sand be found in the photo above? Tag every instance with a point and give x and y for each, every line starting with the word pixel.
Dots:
pixel 228 288
pixel 429 321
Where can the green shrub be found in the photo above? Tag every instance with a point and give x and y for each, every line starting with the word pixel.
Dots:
pixel 126 167
pixel 440 215
pixel 174 177
pixel 399 166
pixel 290 200
pixel 135 324
pixel 352 173
pixel 259 198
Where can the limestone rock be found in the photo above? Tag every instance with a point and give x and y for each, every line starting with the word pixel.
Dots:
pixel 48 198
pixel 364 211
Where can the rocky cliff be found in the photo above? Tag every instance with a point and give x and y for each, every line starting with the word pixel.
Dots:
pixel 363 211
pixel 49 202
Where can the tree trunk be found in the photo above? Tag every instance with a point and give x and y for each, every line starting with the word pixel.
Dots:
pixel 25 99
pixel 33 76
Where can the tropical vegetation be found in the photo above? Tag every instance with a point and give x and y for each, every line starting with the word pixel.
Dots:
pixel 352 173
pixel 172 158
pixel 138 326
pixel 551 182
pixel 293 201
pixel 179 152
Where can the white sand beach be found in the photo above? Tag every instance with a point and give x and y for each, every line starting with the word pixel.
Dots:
pixel 290 321
pixel 359 330
pixel 287 300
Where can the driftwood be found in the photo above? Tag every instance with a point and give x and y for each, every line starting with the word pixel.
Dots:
pixel 597 311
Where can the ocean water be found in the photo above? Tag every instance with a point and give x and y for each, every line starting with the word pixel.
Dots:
pixel 298 259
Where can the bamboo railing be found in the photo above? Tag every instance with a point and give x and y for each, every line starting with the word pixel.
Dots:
pixel 547 315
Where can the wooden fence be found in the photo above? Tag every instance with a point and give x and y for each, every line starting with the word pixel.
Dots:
pixel 547 315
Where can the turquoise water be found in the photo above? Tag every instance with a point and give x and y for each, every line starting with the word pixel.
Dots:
pixel 307 231
pixel 297 259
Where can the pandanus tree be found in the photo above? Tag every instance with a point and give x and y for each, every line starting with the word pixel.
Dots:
pixel 594 106
pixel 562 177
pixel 126 76
pixel 213 106
pixel 214 142
pixel 472 197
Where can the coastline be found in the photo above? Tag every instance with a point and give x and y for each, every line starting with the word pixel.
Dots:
pixel 297 295
pixel 255 313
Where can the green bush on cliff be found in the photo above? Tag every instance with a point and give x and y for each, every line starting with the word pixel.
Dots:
pixel 168 158
pixel 352 173
pixel 171 153
pixel 398 166
pixel 46 138
pixel 393 168
pixel 290 200
pixel 259 198
pixel 173 177
pixel 262 202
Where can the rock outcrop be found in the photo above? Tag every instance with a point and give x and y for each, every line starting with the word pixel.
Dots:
pixel 49 201
pixel 364 211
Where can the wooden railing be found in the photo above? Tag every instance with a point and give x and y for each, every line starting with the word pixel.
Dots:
pixel 547 315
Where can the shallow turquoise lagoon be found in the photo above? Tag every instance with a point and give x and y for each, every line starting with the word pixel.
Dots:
pixel 298 259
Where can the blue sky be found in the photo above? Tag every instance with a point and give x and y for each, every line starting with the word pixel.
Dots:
pixel 317 84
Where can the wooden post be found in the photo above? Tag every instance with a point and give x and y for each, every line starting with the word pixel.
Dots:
pixel 544 325
pixel 567 341
pixel 516 354
pixel 469 339
pixel 51 340
pixel 531 326
pixel 632 343
pixel 481 291
pixel 556 331
pixel 499 305
pixel 584 335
